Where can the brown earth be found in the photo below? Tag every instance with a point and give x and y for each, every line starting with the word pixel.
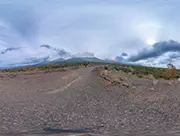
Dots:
pixel 79 99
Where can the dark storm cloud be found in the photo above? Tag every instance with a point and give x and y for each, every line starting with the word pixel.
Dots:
pixel 157 50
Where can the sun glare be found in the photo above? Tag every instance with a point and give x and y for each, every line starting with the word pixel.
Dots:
pixel 150 41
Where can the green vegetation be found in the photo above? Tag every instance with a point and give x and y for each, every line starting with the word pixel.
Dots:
pixel 126 70
pixel 86 64
pixel 51 66
pixel 140 71
pixel 149 72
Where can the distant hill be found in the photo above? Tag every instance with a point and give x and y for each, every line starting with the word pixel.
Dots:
pixel 109 61
pixel 71 60
pixel 74 60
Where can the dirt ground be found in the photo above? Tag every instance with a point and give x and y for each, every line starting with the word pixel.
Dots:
pixel 88 99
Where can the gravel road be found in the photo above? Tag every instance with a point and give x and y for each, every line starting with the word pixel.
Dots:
pixel 79 100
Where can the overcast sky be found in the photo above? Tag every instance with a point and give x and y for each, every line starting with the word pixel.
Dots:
pixel 107 28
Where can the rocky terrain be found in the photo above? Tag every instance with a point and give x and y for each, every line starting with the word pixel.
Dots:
pixel 87 100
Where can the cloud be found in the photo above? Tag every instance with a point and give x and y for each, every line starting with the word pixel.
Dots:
pixel 165 61
pixel 29 61
pixel 20 24
pixel 175 55
pixel 124 54
pixel 157 50
pixel 9 49
pixel 60 52
pixel 46 46
pixel 36 60
pixel 84 54
pixel 99 28
pixel 122 58
pixel 119 59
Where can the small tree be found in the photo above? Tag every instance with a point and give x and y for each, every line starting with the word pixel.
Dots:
pixel 85 64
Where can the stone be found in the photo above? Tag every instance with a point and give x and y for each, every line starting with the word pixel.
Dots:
pixel 178 79
pixel 152 89
pixel 125 84
pixel 155 82
pixel 170 83
pixel 133 87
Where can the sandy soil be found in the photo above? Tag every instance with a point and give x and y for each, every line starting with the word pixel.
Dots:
pixel 80 100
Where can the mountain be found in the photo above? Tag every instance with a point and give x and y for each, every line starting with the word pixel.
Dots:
pixel 54 55
pixel 109 61
pixel 81 59
pixel 71 60
pixel 94 59
pixel 74 60
pixel 55 61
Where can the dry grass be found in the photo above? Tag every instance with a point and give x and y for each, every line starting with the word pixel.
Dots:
pixel 148 72
pixel 111 77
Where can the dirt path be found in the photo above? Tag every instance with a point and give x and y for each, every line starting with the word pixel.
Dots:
pixel 27 101
pixel 73 78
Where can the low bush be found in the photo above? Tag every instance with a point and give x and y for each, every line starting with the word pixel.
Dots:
pixel 142 71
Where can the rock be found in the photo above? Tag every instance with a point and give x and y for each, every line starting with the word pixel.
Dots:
pixel 178 79
pixel 170 83
pixel 108 84
pixel 155 82
pixel 125 78
pixel 116 80
pixel 133 87
pixel 152 89
pixel 126 85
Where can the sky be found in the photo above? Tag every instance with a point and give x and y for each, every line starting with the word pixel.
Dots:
pixel 138 31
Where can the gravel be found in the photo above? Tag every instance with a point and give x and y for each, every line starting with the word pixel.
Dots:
pixel 88 105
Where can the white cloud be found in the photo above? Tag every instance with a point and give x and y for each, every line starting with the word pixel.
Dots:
pixel 106 28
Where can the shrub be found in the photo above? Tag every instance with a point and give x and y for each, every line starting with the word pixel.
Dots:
pixel 106 67
pixel 140 76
